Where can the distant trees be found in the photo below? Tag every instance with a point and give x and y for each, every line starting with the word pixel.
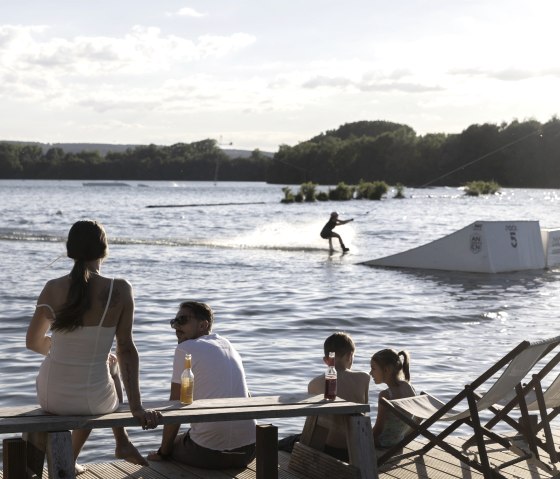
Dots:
pixel 201 160
pixel 515 155
pixel 518 154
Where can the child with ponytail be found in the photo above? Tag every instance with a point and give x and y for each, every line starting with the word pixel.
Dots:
pixel 393 369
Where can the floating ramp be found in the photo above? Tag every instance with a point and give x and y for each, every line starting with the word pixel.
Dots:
pixel 484 247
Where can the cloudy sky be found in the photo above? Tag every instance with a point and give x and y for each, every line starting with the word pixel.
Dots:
pixel 261 73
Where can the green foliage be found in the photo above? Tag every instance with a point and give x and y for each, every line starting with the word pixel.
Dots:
pixel 518 154
pixel 322 196
pixel 308 191
pixel 200 160
pixel 372 190
pixel 476 188
pixel 399 191
pixel 342 192
pixel 288 195
pixel 361 128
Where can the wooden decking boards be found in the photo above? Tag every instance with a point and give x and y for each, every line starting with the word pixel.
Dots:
pixel 435 465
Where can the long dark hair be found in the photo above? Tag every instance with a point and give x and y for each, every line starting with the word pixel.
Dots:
pixel 87 241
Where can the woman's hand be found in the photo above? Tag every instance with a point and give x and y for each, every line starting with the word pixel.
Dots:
pixel 148 418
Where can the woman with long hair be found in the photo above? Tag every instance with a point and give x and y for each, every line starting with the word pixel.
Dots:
pixel 76 320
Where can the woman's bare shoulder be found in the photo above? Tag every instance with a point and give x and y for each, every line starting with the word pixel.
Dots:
pixel 53 286
pixel 121 292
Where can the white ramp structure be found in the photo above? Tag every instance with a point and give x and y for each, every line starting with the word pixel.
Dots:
pixel 483 247
pixel 551 245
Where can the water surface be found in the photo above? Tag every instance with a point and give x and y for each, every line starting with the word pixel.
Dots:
pixel 276 291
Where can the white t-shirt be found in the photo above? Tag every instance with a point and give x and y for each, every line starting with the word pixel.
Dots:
pixel 218 373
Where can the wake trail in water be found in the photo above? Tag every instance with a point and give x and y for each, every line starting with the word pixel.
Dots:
pixel 282 236
pixel 287 236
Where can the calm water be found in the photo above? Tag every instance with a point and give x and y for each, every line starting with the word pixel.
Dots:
pixel 276 291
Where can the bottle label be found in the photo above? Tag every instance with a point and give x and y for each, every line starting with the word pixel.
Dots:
pixel 187 387
pixel 330 388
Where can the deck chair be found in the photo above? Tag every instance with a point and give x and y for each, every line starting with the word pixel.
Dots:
pixel 501 379
pixel 530 398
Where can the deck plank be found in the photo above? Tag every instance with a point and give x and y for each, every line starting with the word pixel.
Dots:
pixel 435 465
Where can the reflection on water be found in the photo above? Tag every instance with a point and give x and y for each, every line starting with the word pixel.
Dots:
pixel 276 291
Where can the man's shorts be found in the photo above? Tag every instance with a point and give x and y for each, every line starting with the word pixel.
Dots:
pixel 187 451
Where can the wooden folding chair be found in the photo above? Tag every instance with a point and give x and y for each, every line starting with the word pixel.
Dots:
pixel 528 398
pixel 514 367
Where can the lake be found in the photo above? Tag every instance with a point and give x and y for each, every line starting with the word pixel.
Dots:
pixel 276 291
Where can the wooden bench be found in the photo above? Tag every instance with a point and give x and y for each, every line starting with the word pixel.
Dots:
pixel 51 434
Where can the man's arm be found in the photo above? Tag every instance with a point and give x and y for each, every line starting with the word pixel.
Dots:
pixel 170 431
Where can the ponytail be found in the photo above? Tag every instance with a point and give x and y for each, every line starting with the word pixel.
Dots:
pixel 405 364
pixel 77 301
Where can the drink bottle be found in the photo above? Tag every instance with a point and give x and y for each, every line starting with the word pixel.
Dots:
pixel 187 381
pixel 330 379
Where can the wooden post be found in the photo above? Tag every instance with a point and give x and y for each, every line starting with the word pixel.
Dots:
pixel 360 446
pixel 59 452
pixel 14 463
pixel 314 435
pixel 36 450
pixel 267 451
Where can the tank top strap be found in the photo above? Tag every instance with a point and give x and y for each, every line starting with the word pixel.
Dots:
pixel 108 302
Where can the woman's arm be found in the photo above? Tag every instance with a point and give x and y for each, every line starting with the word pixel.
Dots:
pixel 127 354
pixel 129 363
pixel 36 338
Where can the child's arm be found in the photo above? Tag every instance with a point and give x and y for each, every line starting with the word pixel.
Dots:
pixel 381 418
pixel 316 385
pixel 367 378
pixel 343 222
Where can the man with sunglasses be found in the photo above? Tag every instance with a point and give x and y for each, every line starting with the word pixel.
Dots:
pixel 218 373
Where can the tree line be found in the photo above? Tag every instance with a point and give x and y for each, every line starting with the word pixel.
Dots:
pixel 197 161
pixel 516 154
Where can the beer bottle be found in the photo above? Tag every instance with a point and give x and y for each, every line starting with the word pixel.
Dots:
pixel 330 379
pixel 187 381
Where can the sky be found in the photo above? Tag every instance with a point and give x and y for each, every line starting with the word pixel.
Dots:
pixel 261 73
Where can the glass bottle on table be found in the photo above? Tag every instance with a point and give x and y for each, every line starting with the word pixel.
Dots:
pixel 330 379
pixel 187 381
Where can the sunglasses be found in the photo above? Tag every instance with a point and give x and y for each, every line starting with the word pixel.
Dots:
pixel 180 320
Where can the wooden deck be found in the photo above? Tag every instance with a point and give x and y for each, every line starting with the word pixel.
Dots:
pixel 436 465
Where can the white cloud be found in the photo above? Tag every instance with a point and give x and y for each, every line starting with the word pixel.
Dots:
pixel 507 74
pixel 143 49
pixel 246 68
pixel 36 67
pixel 189 12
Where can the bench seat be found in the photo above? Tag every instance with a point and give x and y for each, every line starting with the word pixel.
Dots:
pixel 33 420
